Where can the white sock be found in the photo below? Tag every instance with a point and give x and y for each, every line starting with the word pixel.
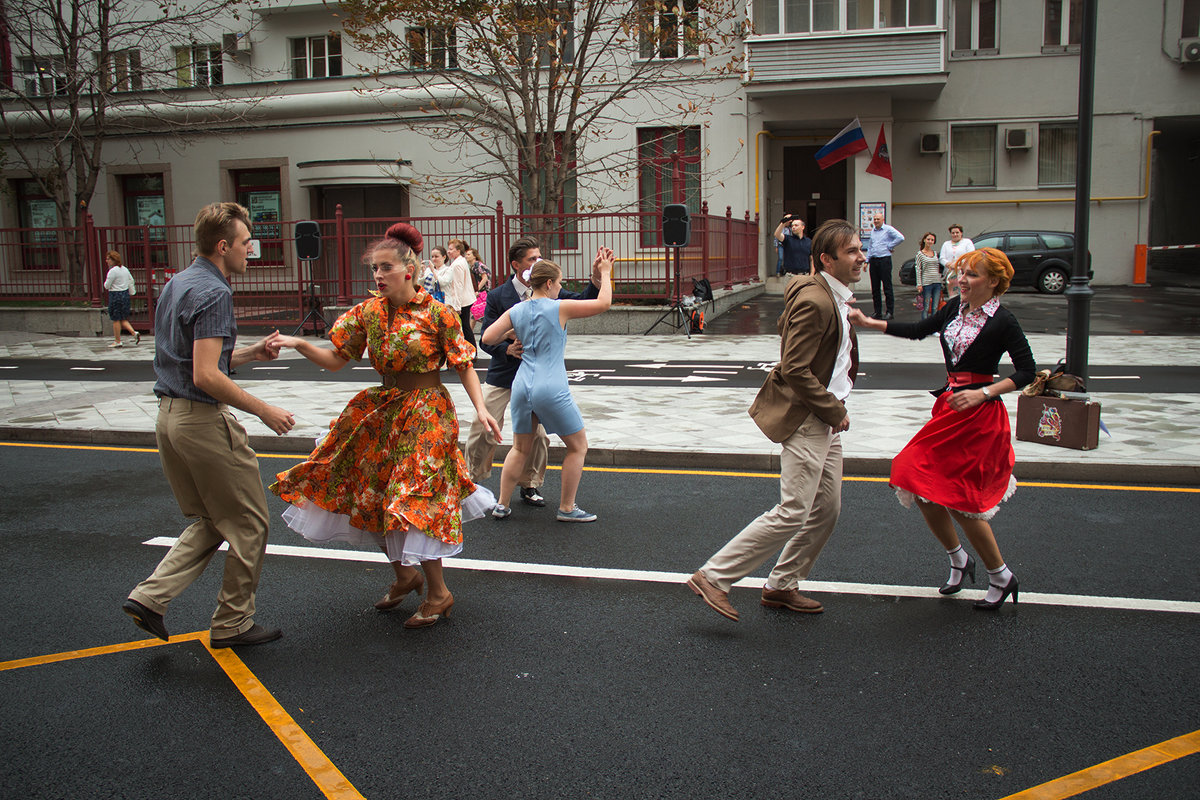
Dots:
pixel 998 580
pixel 958 560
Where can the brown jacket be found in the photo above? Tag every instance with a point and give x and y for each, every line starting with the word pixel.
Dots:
pixel 810 331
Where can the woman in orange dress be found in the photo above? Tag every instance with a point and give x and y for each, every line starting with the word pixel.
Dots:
pixel 389 471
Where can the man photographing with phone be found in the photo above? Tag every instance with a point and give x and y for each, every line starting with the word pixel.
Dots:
pixel 797 248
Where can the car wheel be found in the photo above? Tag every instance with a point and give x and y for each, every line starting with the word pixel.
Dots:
pixel 1052 281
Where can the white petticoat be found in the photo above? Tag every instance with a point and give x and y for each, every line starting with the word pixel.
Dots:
pixel 409 547
pixel 906 499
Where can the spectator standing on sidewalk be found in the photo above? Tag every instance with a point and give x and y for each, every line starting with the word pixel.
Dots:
pixel 794 245
pixel 884 239
pixel 204 450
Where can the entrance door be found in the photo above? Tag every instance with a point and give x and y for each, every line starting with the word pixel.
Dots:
pixel 815 194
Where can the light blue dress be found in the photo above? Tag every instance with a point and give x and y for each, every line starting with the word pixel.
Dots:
pixel 540 386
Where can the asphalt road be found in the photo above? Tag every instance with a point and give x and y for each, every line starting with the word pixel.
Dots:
pixel 714 373
pixel 547 683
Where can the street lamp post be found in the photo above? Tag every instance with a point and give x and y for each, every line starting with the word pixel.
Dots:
pixel 1079 293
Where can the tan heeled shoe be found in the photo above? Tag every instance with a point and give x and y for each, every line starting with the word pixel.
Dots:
pixel 396 593
pixel 429 613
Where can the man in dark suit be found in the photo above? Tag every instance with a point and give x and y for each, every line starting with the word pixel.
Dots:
pixel 802 406
pixel 506 359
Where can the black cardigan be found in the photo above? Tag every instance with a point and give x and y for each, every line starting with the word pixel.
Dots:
pixel 1000 334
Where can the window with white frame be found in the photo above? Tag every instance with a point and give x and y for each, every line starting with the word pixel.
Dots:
pixel 669 29
pixel 819 16
pixel 317 57
pixel 1056 153
pixel 976 27
pixel 972 156
pixel 120 70
pixel 432 47
pixel 44 76
pixel 198 65
pixel 1064 25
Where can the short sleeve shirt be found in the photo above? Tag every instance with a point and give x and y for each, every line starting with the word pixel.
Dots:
pixel 195 304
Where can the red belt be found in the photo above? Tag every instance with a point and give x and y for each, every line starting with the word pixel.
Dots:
pixel 956 379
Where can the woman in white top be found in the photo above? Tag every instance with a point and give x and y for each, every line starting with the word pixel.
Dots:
pixel 951 250
pixel 455 279
pixel 119 283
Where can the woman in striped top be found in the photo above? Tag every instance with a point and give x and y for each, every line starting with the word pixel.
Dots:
pixel 929 276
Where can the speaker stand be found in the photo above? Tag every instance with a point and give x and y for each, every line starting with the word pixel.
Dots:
pixel 678 317
pixel 315 315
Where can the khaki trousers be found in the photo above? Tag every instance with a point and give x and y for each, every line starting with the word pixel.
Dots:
pixel 481 445
pixel 810 499
pixel 213 472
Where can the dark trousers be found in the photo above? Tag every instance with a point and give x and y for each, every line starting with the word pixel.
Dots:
pixel 881 274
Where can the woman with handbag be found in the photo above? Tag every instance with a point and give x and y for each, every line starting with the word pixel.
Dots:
pixel 958 468
pixel 389 471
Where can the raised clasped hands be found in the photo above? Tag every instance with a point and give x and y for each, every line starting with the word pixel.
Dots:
pixel 267 348
pixel 602 264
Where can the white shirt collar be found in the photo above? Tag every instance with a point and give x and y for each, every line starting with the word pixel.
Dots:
pixel 521 288
pixel 839 289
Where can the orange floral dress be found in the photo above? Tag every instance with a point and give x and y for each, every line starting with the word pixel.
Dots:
pixel 390 463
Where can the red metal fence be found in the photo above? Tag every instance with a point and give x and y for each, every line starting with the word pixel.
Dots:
pixel 65 266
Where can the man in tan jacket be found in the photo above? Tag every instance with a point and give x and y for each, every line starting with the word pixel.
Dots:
pixel 802 406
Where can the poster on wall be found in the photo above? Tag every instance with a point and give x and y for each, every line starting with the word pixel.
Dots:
pixel 264 208
pixel 42 214
pixel 151 210
pixel 866 216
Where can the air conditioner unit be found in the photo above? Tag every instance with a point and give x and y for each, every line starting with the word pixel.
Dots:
pixel 236 43
pixel 1189 51
pixel 1018 139
pixel 932 143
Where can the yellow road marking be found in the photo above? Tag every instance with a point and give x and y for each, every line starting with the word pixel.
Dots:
pixel 1113 770
pixel 669 471
pixel 97 651
pixel 328 778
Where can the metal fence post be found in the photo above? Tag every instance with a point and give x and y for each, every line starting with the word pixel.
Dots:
pixel 343 256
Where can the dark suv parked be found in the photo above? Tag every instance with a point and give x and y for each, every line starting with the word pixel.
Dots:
pixel 1041 259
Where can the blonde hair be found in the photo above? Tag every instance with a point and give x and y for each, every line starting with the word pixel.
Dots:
pixel 543 272
pixel 114 256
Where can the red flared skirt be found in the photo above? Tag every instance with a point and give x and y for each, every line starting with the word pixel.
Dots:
pixel 960 460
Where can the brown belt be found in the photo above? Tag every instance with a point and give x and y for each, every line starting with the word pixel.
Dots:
pixel 412 380
pixel 967 378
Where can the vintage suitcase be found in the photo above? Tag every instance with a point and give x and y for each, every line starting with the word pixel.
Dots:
pixel 1055 421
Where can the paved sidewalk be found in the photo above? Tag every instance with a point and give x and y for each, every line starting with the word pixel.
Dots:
pixel 1153 437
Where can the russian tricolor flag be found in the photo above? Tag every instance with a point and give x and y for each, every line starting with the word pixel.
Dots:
pixel 849 141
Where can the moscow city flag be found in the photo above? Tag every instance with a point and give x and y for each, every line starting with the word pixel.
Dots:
pixel 881 163
pixel 848 142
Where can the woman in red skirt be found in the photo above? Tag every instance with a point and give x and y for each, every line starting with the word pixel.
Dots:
pixel 958 468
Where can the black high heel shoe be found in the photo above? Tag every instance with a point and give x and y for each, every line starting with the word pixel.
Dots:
pixel 963 572
pixel 1011 588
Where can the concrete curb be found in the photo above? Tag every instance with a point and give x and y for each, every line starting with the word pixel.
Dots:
pixel 1055 471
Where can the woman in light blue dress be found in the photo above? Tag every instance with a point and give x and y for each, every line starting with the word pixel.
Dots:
pixel 540 394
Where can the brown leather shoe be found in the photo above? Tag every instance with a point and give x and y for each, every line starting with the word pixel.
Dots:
pixel 790 599
pixel 717 600
pixel 396 593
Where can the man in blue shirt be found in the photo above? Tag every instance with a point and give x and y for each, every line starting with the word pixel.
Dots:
pixel 884 239
pixel 204 450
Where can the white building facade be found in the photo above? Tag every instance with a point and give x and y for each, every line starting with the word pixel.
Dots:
pixel 976 99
